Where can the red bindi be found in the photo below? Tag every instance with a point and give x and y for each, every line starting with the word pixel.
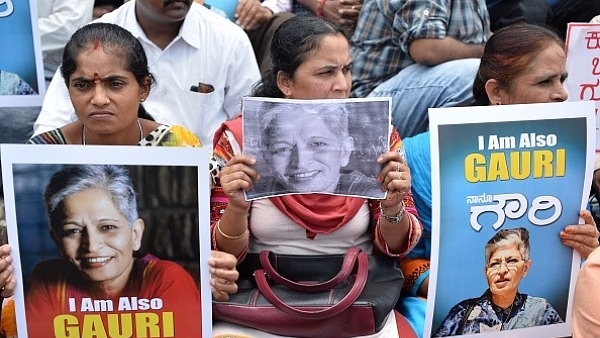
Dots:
pixel 96 44
pixel 96 77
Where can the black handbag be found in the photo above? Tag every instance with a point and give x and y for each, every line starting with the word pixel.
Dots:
pixel 314 295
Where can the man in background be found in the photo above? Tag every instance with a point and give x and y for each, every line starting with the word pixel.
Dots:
pixel 421 53
pixel 203 65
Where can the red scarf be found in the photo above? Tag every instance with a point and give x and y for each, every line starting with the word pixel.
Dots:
pixel 317 213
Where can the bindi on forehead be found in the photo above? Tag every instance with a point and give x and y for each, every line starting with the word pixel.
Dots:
pixel 96 44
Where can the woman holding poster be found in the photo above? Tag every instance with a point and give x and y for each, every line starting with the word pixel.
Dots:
pixel 310 60
pixel 521 63
pixel 109 102
pixel 99 288
pixel 106 71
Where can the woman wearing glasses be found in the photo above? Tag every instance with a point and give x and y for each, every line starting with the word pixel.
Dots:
pixel 501 307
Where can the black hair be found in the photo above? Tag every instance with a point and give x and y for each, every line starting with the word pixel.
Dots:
pixel 293 40
pixel 508 53
pixel 113 39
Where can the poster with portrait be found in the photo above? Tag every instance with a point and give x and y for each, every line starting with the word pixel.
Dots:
pixel 107 241
pixel 583 66
pixel 505 181
pixel 21 64
pixel 316 146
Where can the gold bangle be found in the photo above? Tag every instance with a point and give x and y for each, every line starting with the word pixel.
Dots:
pixel 228 236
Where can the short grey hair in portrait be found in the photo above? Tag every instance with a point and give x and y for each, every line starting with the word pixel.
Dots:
pixel 334 116
pixel 113 179
pixel 519 236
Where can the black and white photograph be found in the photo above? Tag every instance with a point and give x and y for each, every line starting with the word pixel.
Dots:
pixel 316 146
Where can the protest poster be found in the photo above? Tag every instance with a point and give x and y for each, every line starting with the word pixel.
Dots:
pixel 316 146
pixel 21 64
pixel 583 65
pixel 498 168
pixel 107 240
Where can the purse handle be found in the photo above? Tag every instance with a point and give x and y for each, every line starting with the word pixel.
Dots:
pixel 359 283
pixel 345 270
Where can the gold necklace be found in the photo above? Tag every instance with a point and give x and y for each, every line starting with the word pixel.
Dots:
pixel 139 127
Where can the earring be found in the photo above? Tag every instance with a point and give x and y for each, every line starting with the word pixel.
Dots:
pixel 142 99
